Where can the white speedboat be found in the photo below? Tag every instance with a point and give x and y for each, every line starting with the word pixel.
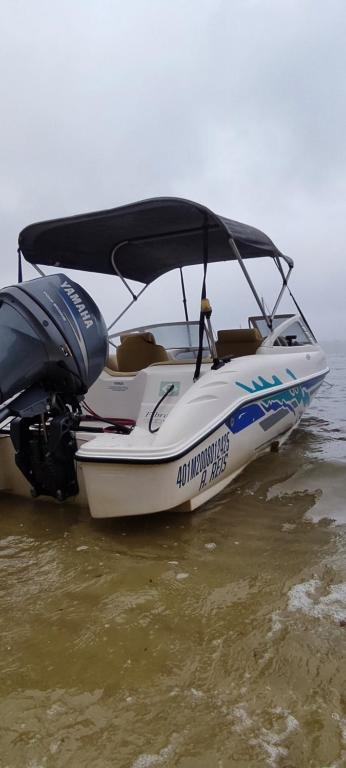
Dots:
pixel 176 411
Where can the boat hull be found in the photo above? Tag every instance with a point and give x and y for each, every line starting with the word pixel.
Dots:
pixel 119 476
pixel 118 487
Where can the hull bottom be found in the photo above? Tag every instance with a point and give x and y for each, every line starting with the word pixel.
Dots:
pixel 112 492
pixel 101 484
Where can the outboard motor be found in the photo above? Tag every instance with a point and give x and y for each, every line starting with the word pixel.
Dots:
pixel 53 347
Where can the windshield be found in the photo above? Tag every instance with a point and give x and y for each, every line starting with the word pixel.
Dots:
pixel 171 335
pixel 293 334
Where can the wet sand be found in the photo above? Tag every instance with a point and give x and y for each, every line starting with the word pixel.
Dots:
pixel 215 639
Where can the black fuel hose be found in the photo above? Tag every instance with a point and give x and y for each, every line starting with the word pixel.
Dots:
pixel 168 391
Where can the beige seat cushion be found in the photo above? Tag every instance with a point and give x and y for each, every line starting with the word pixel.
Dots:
pixel 145 335
pixel 188 361
pixel 139 350
pixel 120 374
pixel 112 363
pixel 238 342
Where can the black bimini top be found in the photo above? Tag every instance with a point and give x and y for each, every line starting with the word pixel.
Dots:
pixel 143 240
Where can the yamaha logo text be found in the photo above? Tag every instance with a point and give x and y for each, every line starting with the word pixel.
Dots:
pixel 77 301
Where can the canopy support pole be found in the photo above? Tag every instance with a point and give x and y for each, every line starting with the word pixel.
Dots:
pixel 248 278
pixel 285 279
pixel 184 294
pixel 42 274
pixel 20 268
pixel 133 294
pixel 113 254
pixel 126 308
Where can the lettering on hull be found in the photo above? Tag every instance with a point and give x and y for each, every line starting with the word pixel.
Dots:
pixel 207 464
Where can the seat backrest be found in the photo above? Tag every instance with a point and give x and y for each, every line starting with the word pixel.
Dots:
pixel 111 363
pixel 138 350
pixel 238 342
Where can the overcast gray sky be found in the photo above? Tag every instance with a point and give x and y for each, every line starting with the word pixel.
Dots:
pixel 238 104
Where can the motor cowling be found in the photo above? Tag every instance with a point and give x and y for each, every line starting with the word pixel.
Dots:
pixel 53 347
pixel 51 332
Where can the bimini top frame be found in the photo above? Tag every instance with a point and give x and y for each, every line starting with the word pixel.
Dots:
pixel 144 240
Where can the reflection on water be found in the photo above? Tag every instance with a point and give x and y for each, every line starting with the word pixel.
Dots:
pixel 213 639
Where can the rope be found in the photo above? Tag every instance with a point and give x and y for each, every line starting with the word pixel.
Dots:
pixel 122 428
pixel 203 296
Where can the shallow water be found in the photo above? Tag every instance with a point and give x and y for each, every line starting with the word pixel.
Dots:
pixel 186 641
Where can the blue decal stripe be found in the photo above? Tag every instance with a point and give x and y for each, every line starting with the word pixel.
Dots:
pixel 273 407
